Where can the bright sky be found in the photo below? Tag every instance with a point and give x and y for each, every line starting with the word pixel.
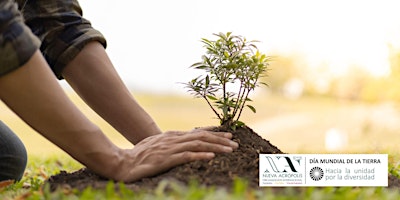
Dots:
pixel 152 43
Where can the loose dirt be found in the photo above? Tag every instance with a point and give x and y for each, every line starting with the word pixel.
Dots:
pixel 220 171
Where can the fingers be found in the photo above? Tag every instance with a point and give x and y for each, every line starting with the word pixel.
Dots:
pixel 201 146
pixel 185 157
pixel 206 128
pixel 222 138
pixel 213 138
pixel 223 134
pixel 161 152
pixel 204 142
pixel 210 130
pixel 201 130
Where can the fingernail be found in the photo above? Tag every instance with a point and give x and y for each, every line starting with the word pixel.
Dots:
pixel 233 144
pixel 227 149
pixel 210 155
pixel 228 135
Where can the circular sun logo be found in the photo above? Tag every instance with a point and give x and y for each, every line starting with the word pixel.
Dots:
pixel 316 173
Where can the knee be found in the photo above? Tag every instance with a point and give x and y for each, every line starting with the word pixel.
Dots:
pixel 19 161
pixel 14 165
pixel 13 156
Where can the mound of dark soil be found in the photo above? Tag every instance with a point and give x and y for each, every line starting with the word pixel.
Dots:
pixel 220 171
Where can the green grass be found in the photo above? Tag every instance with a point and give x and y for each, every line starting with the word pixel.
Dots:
pixel 32 187
pixel 38 170
pixel 366 135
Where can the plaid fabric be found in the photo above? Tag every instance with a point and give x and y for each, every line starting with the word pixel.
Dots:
pixel 60 31
pixel 61 28
pixel 17 43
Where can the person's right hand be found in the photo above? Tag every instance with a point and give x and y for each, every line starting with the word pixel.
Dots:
pixel 159 153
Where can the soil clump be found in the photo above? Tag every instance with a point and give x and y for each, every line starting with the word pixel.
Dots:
pixel 219 172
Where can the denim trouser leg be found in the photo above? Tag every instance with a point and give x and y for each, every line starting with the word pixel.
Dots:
pixel 13 155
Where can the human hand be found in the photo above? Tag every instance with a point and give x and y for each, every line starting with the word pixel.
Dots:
pixel 159 153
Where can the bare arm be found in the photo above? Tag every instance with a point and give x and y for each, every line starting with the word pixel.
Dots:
pixel 35 95
pixel 94 78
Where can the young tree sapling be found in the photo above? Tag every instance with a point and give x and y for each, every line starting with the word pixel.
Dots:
pixel 229 61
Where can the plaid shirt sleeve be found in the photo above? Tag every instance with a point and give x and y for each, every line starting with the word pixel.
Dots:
pixel 57 27
pixel 60 26
pixel 17 42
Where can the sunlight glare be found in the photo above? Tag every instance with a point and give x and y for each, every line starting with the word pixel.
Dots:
pixel 332 34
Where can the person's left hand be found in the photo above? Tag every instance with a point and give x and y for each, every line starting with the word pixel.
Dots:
pixel 161 152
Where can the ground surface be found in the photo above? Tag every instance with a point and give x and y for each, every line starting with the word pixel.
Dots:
pixel 220 172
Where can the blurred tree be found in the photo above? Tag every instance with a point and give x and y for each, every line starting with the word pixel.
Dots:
pixel 394 58
pixel 284 68
pixel 356 84
pixel 385 88
pixel 351 85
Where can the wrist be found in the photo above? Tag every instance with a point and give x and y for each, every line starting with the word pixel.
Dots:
pixel 106 165
pixel 104 161
pixel 124 167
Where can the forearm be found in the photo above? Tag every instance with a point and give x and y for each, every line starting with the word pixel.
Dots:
pixel 33 93
pixel 94 78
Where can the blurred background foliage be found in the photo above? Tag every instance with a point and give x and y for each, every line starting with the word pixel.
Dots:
pixel 290 76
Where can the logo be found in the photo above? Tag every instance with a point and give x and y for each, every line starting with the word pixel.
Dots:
pixel 281 164
pixel 282 170
pixel 294 170
pixel 316 173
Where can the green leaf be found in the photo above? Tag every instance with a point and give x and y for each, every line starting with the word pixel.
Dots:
pixel 248 99
pixel 229 59
pixel 201 67
pixel 197 64
pixel 212 97
pixel 226 54
pixel 251 108
pixel 239 123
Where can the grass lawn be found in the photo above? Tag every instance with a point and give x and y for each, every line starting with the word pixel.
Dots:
pixel 295 126
pixel 39 169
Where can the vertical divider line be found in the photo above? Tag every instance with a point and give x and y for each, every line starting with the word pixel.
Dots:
pixel 305 170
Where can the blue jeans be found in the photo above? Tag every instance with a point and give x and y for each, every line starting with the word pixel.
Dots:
pixel 13 155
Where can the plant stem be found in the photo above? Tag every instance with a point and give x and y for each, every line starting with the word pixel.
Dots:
pixel 208 102
pixel 225 109
pixel 244 102
pixel 237 105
